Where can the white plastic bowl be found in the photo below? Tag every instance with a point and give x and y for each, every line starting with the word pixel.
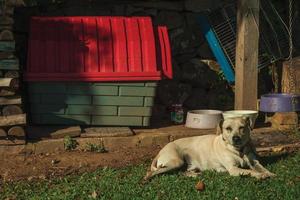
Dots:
pixel 252 114
pixel 203 119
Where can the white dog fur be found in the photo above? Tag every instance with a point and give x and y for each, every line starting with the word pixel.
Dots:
pixel 230 150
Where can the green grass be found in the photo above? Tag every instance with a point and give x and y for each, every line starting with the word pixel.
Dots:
pixel 125 184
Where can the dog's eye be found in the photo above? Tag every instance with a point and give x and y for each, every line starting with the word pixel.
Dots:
pixel 242 127
pixel 229 129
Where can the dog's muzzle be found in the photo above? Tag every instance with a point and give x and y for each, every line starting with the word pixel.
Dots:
pixel 236 140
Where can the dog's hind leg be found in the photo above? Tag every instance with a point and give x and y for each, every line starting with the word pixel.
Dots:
pixel 162 168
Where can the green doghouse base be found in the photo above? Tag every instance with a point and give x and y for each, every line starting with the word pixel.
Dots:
pixel 111 104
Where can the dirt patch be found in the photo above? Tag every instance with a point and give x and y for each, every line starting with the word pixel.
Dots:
pixel 49 165
pixel 18 167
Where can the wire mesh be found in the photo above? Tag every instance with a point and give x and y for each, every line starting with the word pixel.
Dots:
pixel 273 38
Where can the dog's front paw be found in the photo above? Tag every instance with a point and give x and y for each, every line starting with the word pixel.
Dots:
pixel 262 176
pixel 270 174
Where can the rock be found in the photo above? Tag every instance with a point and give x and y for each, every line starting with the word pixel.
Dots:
pixel 183 40
pixel 55 161
pixel 205 52
pixel 172 92
pixel 99 132
pixel 162 5
pixel 200 6
pixel 132 10
pixel 220 98
pixel 176 70
pixel 171 19
pixel 119 9
pixel 198 74
pixel 74 131
pixel 22 20
pixel 183 58
pixel 151 11
pixel 159 110
pixel 197 99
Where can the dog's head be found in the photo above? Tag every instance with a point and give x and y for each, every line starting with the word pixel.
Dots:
pixel 235 131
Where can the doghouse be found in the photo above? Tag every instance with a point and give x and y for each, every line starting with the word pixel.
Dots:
pixel 95 70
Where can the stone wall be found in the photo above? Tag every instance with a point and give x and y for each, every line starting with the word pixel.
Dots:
pixel 197 84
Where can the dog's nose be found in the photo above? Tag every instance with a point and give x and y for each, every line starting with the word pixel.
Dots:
pixel 236 139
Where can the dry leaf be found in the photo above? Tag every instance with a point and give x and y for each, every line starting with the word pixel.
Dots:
pixel 200 186
pixel 94 195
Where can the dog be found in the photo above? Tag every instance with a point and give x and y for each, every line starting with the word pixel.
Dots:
pixel 230 150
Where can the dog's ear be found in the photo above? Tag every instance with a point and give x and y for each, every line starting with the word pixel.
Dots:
pixel 220 127
pixel 249 122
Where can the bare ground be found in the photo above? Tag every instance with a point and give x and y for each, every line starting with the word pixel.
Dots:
pixel 49 165
pixel 18 167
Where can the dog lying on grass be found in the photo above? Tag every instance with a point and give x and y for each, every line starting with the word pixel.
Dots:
pixel 230 150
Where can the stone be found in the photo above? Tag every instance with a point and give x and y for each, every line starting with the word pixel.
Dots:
pixel 49 146
pixel 70 131
pixel 197 99
pixel 220 98
pixel 204 51
pixel 183 40
pixel 198 74
pixel 162 5
pixel 172 92
pixel 171 19
pixel 119 10
pixel 200 6
pixel 177 72
pixel 98 132
pixel 132 10
pixel 151 11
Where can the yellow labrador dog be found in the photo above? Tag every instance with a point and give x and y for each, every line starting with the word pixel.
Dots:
pixel 230 151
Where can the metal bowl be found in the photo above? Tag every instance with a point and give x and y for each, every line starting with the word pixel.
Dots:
pixel 281 102
pixel 203 119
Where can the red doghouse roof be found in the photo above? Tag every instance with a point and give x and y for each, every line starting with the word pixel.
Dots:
pixel 97 49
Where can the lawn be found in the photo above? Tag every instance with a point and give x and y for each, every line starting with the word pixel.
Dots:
pixel 125 184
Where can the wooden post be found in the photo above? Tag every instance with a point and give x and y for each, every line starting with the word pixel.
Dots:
pixel 247 54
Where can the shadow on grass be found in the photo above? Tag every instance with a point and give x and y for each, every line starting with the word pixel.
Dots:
pixel 271 159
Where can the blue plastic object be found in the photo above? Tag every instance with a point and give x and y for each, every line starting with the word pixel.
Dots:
pixel 216 48
pixel 281 102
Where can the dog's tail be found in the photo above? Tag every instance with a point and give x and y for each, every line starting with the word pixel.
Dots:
pixel 153 168
pixel 154 164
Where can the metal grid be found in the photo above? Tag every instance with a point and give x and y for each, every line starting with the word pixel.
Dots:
pixel 273 42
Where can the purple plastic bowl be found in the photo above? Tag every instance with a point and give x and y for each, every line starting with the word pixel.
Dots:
pixel 281 102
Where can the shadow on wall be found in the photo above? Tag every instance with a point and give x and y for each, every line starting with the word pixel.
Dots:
pixel 68 48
